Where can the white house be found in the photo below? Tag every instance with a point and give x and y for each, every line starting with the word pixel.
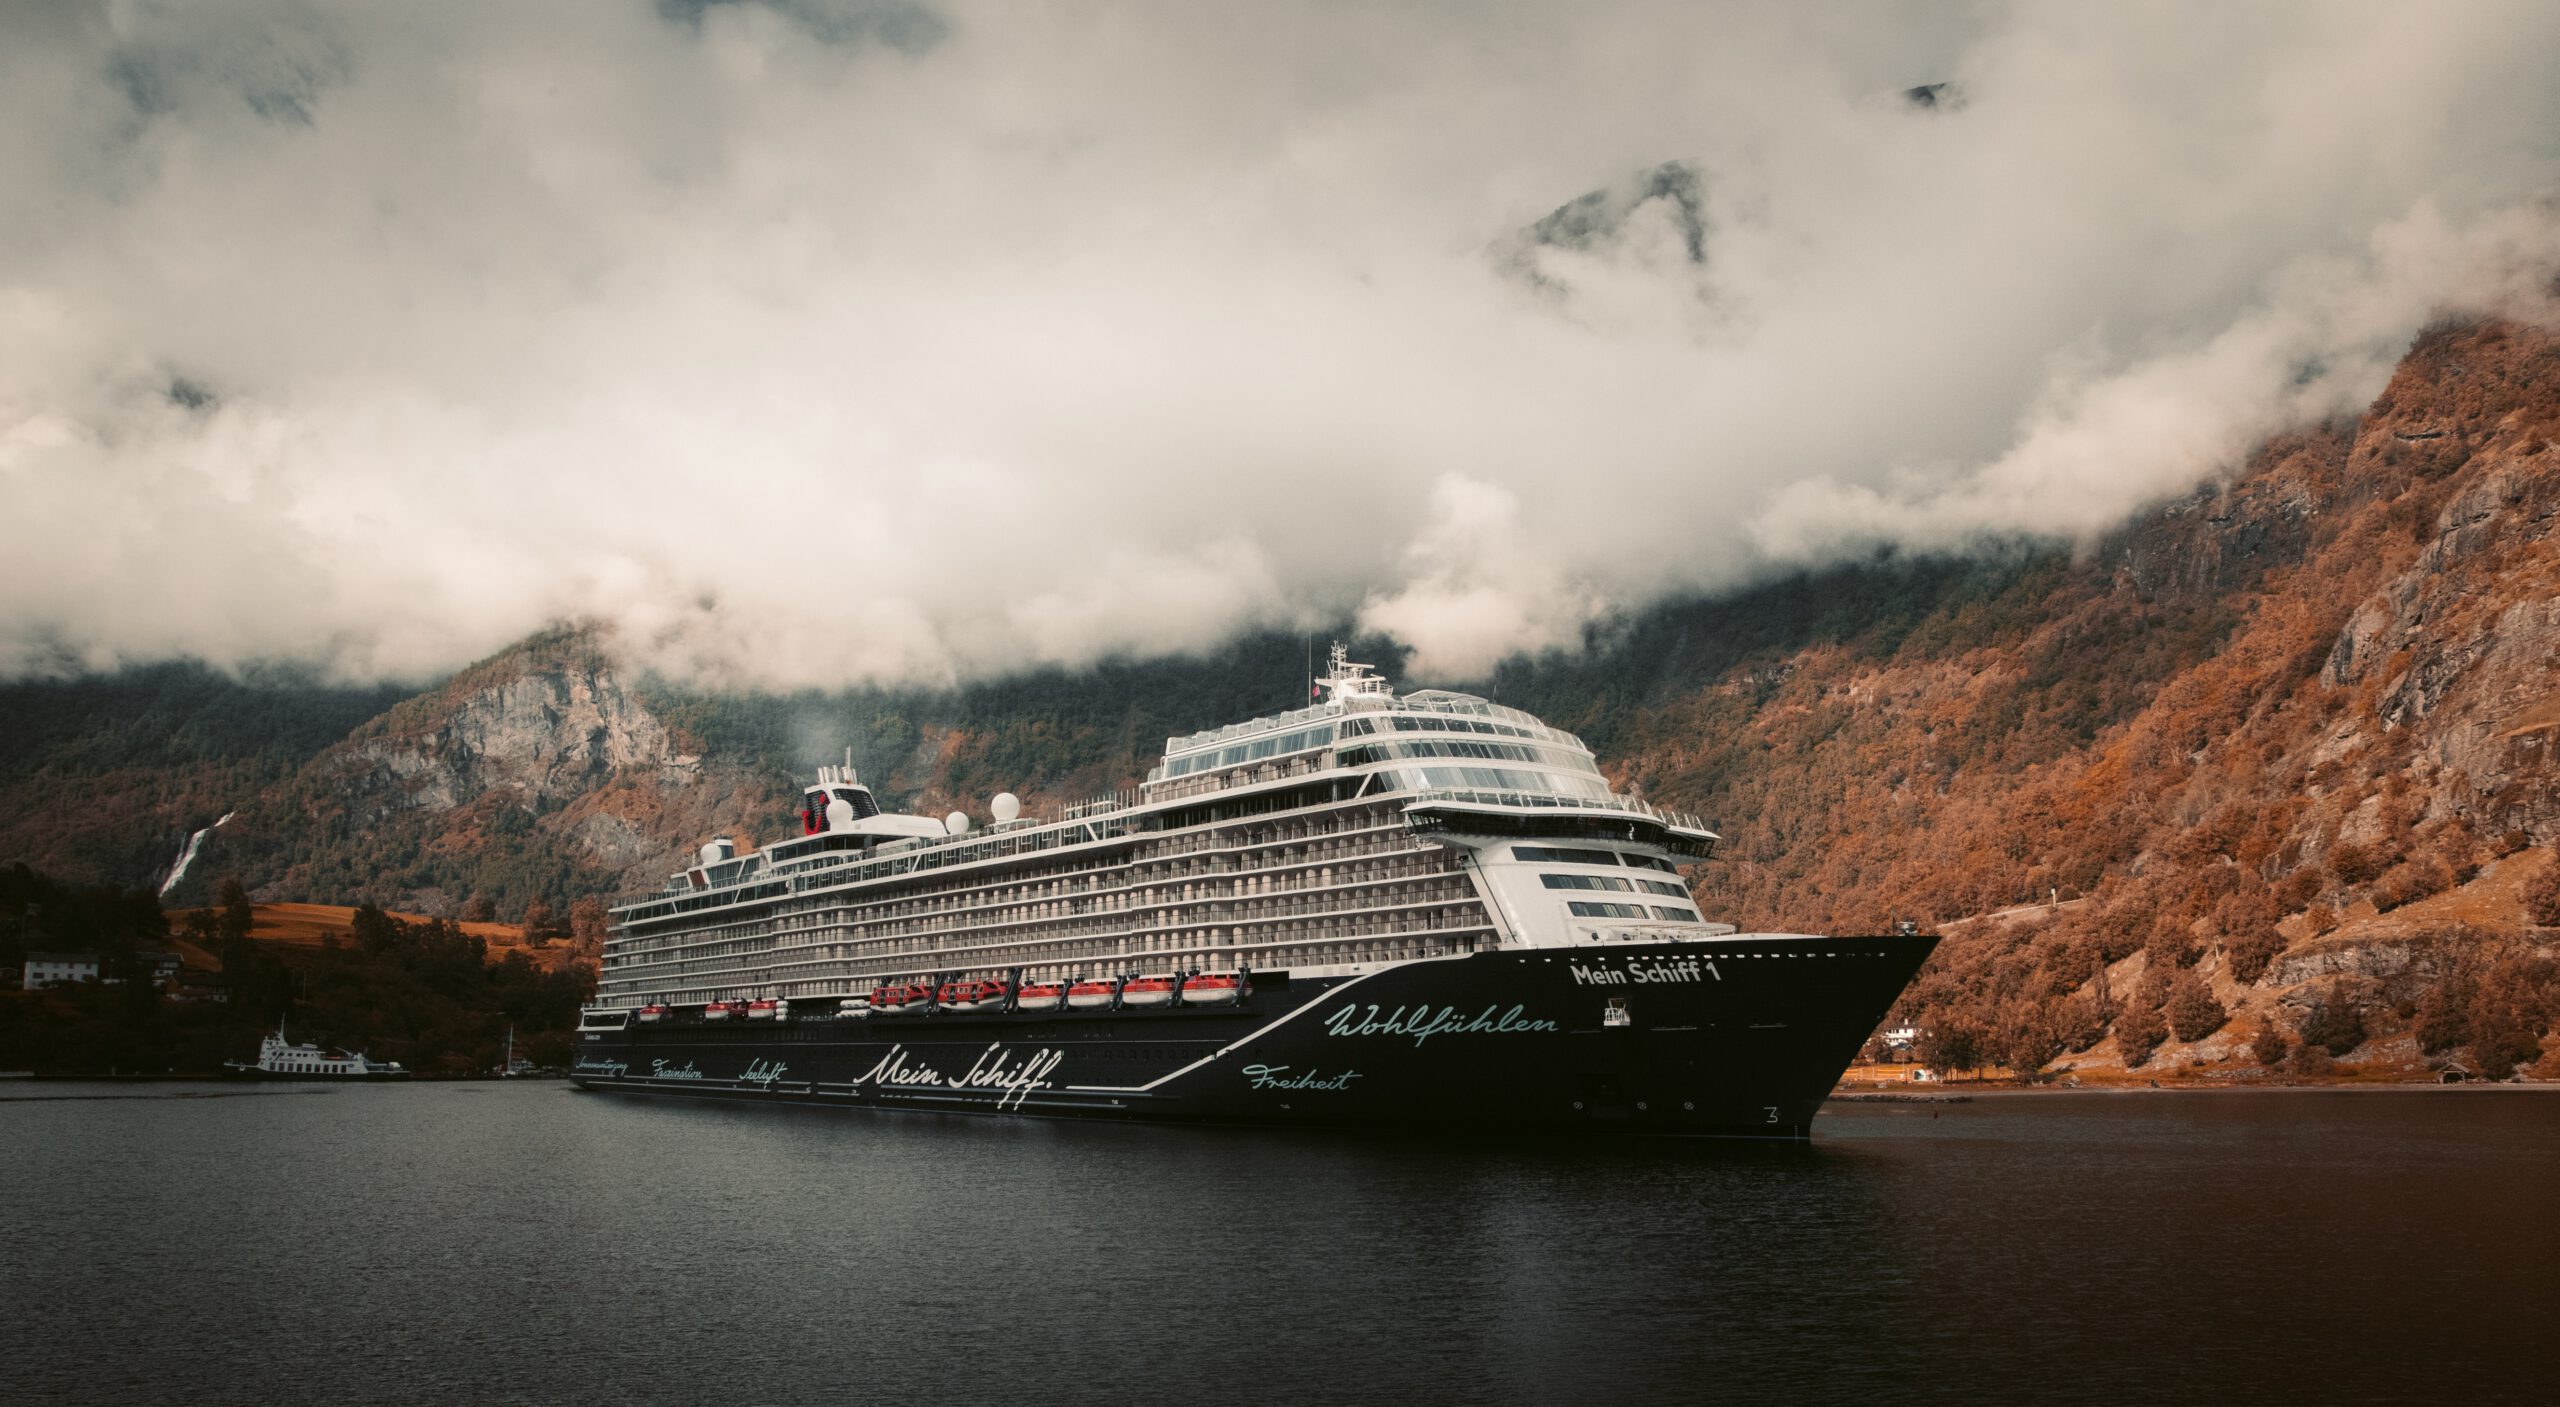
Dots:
pixel 47 969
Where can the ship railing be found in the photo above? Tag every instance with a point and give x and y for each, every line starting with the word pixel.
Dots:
pixel 1120 800
pixel 1243 774
pixel 1628 805
pixel 1251 727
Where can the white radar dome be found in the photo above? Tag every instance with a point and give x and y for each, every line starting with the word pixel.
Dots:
pixel 1006 806
pixel 839 815
pixel 957 823
pixel 711 853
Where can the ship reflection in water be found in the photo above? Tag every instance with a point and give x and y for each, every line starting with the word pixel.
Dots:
pixel 524 1243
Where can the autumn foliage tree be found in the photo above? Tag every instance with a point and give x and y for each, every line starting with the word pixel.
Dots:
pixel 2333 1023
pixel 1954 1043
pixel 2542 896
pixel 2192 1012
pixel 2139 1032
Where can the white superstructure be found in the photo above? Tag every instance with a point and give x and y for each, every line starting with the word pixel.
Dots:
pixel 1365 830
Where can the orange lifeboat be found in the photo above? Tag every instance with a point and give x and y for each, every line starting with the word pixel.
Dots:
pixel 1040 996
pixel 1091 993
pixel 763 1009
pixel 971 996
pixel 653 1012
pixel 721 1011
pixel 1151 989
pixel 895 999
pixel 1212 988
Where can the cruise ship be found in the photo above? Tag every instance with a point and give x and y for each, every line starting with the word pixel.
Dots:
pixel 1406 911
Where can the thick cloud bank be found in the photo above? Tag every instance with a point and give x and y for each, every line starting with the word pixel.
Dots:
pixel 825 342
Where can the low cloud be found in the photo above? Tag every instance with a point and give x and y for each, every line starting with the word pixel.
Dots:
pixel 815 342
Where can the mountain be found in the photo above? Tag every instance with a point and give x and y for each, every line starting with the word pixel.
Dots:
pixel 2266 776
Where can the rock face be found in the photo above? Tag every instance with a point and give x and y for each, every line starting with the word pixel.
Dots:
pixel 2352 769
pixel 544 724
pixel 538 773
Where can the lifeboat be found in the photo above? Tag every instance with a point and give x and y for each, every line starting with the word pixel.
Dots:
pixel 1091 993
pixel 721 1011
pixel 1212 988
pixel 971 996
pixel 764 1009
pixel 653 1012
pixel 1040 996
pixel 890 1000
pixel 1153 989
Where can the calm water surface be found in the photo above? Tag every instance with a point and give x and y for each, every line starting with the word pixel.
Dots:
pixel 526 1243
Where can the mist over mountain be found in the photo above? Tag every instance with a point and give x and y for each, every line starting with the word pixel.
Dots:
pixel 821 344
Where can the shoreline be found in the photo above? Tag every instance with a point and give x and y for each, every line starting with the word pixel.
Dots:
pixel 1940 1093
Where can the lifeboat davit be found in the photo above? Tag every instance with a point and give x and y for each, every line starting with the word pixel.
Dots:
pixel 653 1012
pixel 1091 993
pixel 1040 996
pixel 971 996
pixel 764 1009
pixel 721 1011
pixel 1212 988
pixel 1153 989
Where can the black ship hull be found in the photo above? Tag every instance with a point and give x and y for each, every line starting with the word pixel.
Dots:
pixel 1737 1038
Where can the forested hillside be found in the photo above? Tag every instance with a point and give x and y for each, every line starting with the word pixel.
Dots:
pixel 2267 776
pixel 103 778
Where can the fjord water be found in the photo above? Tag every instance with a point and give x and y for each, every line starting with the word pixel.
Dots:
pixel 526 1243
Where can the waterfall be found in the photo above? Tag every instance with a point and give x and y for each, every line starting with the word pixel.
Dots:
pixel 187 856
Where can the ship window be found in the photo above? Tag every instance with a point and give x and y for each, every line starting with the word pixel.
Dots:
pixel 1585 881
pixel 1558 856
pixel 1593 908
pixel 1683 915
pixel 1663 887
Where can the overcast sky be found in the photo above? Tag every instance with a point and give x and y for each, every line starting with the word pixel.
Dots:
pixel 819 342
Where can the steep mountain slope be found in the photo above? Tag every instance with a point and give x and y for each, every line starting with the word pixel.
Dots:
pixel 538 773
pixel 2294 712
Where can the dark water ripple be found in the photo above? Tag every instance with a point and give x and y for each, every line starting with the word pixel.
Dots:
pixel 485 1243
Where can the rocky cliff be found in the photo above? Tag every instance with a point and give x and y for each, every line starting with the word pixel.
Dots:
pixel 540 773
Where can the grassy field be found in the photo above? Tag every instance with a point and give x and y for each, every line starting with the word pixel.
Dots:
pixel 308 925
